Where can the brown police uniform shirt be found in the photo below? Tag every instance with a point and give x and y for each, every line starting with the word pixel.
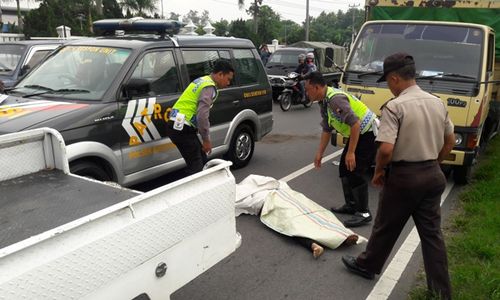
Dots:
pixel 415 122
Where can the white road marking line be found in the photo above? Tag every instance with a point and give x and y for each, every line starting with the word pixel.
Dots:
pixel 310 167
pixel 388 280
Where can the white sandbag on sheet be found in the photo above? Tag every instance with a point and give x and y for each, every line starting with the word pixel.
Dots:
pixel 289 212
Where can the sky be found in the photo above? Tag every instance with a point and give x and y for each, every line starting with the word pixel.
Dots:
pixel 294 10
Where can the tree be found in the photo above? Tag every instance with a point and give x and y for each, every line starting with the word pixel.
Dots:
pixel 254 11
pixel 111 9
pixel 221 27
pixel 174 16
pixel 53 13
pixel 269 25
pixel 197 20
pixel 239 28
pixel 139 6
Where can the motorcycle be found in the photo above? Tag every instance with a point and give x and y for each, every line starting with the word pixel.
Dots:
pixel 291 93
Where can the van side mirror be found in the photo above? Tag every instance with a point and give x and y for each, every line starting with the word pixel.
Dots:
pixel 136 87
pixel 328 57
pixel 24 70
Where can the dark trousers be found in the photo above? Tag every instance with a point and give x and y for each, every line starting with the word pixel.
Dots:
pixel 189 146
pixel 355 183
pixel 411 189
pixel 304 242
pixel 365 155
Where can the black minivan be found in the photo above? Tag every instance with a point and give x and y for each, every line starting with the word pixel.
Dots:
pixel 110 98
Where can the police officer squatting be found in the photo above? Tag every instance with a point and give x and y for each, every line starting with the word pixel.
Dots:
pixel 350 117
pixel 415 135
pixel 190 116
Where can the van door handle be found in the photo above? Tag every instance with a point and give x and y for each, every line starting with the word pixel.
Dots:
pixel 235 102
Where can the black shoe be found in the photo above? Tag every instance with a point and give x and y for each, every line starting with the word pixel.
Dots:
pixel 358 219
pixel 344 209
pixel 351 264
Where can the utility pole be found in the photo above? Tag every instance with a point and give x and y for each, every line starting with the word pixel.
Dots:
pixel 353 34
pixel 162 16
pixel 255 17
pixel 307 20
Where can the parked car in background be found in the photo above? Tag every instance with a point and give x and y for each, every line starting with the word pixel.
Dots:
pixel 285 60
pixel 17 58
pixel 110 98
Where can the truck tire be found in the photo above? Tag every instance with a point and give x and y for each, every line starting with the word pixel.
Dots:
pixel 285 101
pixel 89 169
pixel 241 147
pixel 462 174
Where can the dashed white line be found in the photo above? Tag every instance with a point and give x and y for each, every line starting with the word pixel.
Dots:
pixel 310 167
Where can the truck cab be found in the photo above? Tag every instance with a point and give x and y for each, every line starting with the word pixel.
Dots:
pixel 454 61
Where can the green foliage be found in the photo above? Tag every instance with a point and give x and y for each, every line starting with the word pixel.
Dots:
pixel 240 28
pixel 328 27
pixel 221 27
pixel 139 7
pixel 111 9
pixel 78 15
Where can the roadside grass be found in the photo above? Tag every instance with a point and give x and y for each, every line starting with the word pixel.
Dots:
pixel 473 235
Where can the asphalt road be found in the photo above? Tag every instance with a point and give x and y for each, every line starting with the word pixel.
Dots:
pixel 268 265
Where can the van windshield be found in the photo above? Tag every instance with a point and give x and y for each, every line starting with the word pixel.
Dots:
pixel 10 55
pixel 437 49
pixel 81 72
pixel 285 58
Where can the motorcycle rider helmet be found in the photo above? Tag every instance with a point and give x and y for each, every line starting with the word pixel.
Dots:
pixel 310 55
pixel 301 57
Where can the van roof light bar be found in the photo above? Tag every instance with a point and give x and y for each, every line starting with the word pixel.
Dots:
pixel 138 24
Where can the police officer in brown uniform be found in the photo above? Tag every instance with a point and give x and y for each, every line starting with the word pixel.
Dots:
pixel 415 135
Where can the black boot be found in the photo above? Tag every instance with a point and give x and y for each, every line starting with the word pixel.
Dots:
pixel 350 205
pixel 362 215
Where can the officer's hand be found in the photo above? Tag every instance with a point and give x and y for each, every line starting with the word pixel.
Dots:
pixel 317 160
pixel 350 161
pixel 207 147
pixel 378 178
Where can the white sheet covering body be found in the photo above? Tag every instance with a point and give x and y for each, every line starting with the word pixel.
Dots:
pixel 289 212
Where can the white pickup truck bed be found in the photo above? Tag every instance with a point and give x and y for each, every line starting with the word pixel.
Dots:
pixel 34 203
pixel 67 237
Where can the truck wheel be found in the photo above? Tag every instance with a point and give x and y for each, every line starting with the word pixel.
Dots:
pixel 242 146
pixel 462 174
pixel 89 169
pixel 285 101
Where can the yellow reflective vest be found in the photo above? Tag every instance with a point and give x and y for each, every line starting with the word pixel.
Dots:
pixel 187 103
pixel 364 114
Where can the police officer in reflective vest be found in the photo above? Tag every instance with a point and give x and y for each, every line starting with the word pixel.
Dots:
pixel 190 114
pixel 351 118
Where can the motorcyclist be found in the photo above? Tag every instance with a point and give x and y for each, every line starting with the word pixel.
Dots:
pixel 301 68
pixel 304 69
pixel 310 62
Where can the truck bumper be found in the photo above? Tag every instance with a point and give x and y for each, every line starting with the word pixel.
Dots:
pixel 460 158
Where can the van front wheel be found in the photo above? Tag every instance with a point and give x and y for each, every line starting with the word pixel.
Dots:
pixel 241 147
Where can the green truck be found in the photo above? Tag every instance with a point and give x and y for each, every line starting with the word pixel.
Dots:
pixel 457 59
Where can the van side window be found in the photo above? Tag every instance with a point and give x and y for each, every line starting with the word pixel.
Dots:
pixel 247 68
pixel 199 62
pixel 159 68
